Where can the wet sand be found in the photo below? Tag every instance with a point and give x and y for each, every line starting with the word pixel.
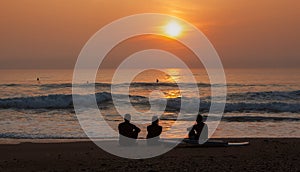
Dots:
pixel 260 155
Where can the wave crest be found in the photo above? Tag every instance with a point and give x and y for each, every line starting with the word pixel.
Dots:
pixel 243 102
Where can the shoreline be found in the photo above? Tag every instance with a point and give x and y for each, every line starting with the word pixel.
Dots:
pixel 15 141
pixel 263 154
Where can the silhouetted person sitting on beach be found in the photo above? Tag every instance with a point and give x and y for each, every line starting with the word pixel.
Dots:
pixel 199 130
pixel 154 130
pixel 128 132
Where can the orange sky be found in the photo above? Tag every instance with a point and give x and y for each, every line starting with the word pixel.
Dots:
pixel 50 33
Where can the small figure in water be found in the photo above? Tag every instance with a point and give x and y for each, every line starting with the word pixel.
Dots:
pixel 38 80
pixel 128 132
pixel 157 81
pixel 199 130
pixel 154 131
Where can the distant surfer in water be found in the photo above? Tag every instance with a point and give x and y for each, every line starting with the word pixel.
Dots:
pixel 199 130
pixel 38 80
pixel 128 132
pixel 154 130
pixel 157 81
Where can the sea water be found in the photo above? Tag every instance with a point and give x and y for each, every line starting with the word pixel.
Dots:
pixel 260 102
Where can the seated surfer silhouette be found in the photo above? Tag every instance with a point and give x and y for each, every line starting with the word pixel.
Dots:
pixel 128 132
pixel 154 130
pixel 199 130
pixel 157 81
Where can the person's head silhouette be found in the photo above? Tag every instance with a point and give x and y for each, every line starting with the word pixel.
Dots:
pixel 127 117
pixel 199 118
pixel 155 120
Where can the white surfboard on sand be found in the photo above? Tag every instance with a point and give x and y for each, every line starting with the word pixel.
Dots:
pixel 209 143
pixel 238 143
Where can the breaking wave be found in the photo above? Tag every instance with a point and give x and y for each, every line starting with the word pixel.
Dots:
pixel 238 102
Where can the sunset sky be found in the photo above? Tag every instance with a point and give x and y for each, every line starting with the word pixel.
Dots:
pixel 49 34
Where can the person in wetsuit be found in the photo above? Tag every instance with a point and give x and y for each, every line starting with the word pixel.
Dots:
pixel 199 129
pixel 154 130
pixel 128 133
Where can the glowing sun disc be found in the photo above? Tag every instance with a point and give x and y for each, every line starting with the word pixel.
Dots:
pixel 173 29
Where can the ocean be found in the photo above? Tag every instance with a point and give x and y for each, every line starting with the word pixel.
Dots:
pixel 260 102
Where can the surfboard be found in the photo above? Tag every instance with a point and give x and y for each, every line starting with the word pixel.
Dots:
pixel 214 143
pixel 238 143
pixel 209 143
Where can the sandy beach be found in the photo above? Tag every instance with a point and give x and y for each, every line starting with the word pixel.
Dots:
pixel 77 76
pixel 261 155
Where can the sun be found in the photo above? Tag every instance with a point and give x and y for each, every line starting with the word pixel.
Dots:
pixel 173 29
